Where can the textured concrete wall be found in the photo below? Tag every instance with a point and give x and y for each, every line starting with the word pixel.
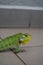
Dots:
pixel 27 12
pixel 38 3
pixel 37 19
pixel 14 18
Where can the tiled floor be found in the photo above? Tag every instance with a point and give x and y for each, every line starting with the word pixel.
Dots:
pixel 34 50
pixel 8 58
pixel 32 56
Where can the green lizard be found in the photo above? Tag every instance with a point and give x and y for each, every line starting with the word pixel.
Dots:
pixel 15 41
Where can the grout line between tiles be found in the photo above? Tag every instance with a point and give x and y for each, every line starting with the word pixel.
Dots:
pixel 32 46
pixel 17 56
pixel 24 47
pixel 21 60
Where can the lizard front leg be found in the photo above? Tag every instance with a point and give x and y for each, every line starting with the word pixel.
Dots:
pixel 16 49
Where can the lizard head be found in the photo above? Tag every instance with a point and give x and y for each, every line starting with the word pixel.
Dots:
pixel 25 38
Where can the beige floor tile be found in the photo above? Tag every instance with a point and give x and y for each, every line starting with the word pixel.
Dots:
pixel 8 58
pixel 32 56
pixel 34 50
pixel 37 35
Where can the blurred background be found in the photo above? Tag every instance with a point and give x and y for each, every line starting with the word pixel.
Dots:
pixel 21 13
pixel 22 16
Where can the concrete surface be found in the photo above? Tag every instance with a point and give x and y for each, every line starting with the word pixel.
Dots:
pixel 34 50
pixel 8 58
pixel 37 19
pixel 14 18
pixel 32 56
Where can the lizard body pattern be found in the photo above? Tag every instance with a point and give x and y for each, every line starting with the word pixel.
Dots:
pixel 14 40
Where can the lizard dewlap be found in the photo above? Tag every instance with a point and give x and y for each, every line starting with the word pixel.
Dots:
pixel 15 40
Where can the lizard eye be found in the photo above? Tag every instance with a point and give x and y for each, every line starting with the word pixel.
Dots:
pixel 26 35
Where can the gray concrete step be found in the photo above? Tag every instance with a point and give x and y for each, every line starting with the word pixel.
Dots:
pixel 22 2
